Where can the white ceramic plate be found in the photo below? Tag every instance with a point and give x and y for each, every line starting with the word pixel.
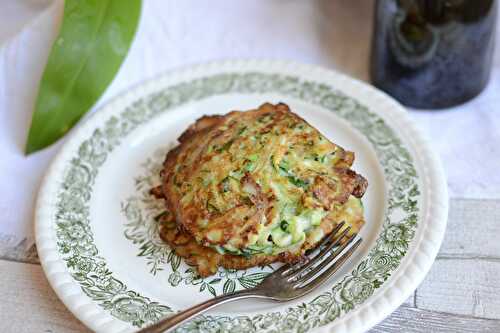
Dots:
pixel 95 227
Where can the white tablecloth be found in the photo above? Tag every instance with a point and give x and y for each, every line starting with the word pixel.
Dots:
pixel 334 34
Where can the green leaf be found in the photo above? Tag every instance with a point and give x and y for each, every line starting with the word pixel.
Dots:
pixel 211 290
pixel 97 294
pixel 297 181
pixel 214 281
pixel 94 39
pixel 251 280
pixel 171 254
pixel 175 263
pixel 229 286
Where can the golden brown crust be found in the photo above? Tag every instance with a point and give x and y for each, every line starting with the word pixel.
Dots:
pixel 201 125
pixel 213 208
pixel 237 222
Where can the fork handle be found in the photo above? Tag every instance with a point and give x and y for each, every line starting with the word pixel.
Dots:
pixel 173 321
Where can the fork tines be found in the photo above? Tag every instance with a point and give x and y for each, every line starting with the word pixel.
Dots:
pixel 325 262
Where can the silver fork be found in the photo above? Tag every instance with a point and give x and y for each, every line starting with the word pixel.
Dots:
pixel 286 283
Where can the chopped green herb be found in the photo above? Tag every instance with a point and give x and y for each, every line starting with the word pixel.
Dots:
pixel 271 160
pixel 251 251
pixel 226 186
pixel 283 225
pixel 253 157
pixel 159 216
pixel 246 254
pixel 298 182
pixel 236 174
pixel 314 156
pixel 284 169
pixel 284 166
pixel 264 118
pixel 249 166
pixel 220 249
pixel 211 208
pixel 233 252
pixel 225 146
pixel 242 130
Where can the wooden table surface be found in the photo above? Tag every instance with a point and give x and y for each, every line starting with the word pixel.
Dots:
pixel 461 293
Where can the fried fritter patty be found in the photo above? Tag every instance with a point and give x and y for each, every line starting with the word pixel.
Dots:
pixel 207 260
pixel 260 183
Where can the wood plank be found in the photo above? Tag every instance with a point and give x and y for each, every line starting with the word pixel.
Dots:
pixel 29 304
pixel 17 251
pixel 472 229
pixel 411 320
pixel 462 286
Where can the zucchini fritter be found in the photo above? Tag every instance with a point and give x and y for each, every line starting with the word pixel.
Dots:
pixel 255 187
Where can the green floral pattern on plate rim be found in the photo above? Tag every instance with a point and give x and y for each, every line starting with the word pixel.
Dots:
pixel 75 239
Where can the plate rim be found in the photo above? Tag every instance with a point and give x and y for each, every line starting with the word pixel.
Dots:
pixel 400 285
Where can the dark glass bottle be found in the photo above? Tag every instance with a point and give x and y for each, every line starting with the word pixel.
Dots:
pixel 433 53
